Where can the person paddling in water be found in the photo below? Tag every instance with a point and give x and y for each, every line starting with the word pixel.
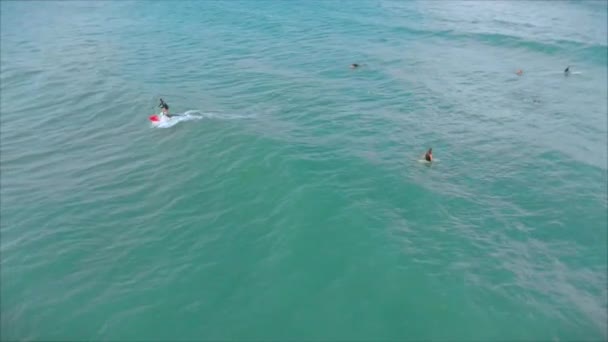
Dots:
pixel 428 156
pixel 567 71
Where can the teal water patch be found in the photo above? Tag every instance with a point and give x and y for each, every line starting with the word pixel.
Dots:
pixel 295 207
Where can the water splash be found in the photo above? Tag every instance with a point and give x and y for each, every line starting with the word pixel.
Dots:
pixel 191 115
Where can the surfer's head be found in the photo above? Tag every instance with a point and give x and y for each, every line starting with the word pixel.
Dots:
pixel 519 72
pixel 354 66
pixel 567 70
pixel 430 151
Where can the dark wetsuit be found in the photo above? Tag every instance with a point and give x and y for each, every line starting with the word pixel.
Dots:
pixel 428 156
pixel 165 106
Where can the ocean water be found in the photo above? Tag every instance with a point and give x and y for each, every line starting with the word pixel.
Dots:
pixel 295 208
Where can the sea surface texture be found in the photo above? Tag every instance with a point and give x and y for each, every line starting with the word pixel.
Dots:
pixel 292 202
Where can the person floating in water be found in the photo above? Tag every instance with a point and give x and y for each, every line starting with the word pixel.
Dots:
pixel 428 156
pixel 567 71
pixel 355 65
pixel 519 72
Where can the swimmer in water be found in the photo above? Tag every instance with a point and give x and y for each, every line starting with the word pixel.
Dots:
pixel 428 156
pixel 519 72
pixel 567 71
pixel 354 66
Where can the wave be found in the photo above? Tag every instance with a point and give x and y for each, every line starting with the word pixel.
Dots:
pixel 596 53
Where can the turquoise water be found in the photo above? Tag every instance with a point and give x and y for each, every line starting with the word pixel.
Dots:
pixel 296 208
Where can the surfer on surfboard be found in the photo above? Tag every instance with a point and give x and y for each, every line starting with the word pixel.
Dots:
pixel 165 108
pixel 164 112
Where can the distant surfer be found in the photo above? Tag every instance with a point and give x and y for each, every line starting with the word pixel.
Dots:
pixel 519 72
pixel 567 71
pixel 428 156
pixel 355 65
